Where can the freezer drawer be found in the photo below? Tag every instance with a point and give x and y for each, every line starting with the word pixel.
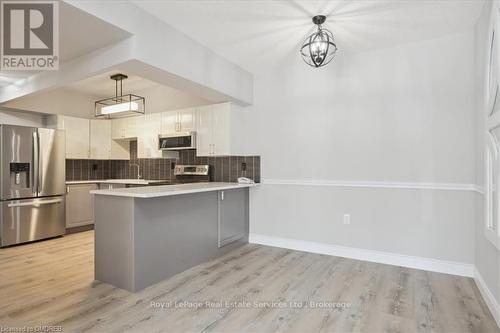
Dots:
pixel 31 219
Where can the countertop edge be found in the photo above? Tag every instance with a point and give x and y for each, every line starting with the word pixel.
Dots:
pixel 218 187
pixel 109 181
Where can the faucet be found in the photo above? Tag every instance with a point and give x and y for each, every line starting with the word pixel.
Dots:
pixel 138 169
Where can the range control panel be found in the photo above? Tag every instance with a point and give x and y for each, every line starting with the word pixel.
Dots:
pixel 198 170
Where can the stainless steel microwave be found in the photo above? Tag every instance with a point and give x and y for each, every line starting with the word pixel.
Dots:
pixel 177 141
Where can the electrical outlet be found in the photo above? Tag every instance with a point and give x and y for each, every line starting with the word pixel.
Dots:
pixel 347 218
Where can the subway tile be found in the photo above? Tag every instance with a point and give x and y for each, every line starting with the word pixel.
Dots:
pixel 69 170
pixel 233 171
pixel 250 167
pixel 226 168
pixel 219 169
pixel 257 169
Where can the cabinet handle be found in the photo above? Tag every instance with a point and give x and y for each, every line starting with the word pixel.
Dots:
pixel 222 195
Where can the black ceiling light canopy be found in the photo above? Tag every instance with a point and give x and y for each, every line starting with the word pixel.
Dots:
pixel 319 48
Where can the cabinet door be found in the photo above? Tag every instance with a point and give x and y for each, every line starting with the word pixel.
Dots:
pixel 147 140
pixel 133 126
pixel 77 137
pixel 204 131
pixel 120 150
pixel 119 128
pixel 169 122
pixel 221 140
pixel 100 139
pixel 79 205
pixel 233 215
pixel 187 120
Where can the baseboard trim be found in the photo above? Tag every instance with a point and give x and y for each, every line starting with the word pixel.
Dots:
pixel 488 297
pixel 377 184
pixel 428 264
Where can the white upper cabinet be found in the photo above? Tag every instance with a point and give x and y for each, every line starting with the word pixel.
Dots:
pixel 204 131
pixel 187 120
pixel 178 121
pixel 118 129
pixel 213 130
pixel 126 128
pixel 148 128
pixel 100 139
pixel 77 136
pixel 221 130
pixel 169 122
pixel 110 139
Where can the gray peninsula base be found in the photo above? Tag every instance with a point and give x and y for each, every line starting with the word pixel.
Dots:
pixel 141 241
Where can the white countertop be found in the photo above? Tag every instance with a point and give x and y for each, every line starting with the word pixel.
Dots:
pixel 116 181
pixel 167 190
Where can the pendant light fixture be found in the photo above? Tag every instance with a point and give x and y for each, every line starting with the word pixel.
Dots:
pixel 120 105
pixel 319 48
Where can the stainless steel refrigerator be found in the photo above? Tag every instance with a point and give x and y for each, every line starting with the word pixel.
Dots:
pixel 32 181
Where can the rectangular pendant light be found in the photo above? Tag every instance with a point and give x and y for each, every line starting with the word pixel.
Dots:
pixel 120 105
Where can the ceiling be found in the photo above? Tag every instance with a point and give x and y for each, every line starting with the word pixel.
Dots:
pixel 252 33
pixel 101 86
pixel 79 34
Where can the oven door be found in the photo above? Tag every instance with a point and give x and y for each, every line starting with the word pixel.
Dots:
pixel 177 142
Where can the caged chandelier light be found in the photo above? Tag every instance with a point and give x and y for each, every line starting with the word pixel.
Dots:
pixel 319 48
pixel 120 105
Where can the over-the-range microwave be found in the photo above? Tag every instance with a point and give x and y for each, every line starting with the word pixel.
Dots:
pixel 177 141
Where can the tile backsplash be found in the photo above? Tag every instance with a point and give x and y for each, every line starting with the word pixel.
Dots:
pixel 224 168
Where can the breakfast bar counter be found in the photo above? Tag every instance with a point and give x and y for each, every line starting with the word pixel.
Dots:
pixel 144 235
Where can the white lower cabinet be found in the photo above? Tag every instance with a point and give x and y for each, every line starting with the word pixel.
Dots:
pixel 79 205
pixel 111 186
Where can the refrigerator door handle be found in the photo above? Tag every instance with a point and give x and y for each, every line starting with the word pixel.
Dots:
pixel 36 152
pixel 39 164
pixel 34 203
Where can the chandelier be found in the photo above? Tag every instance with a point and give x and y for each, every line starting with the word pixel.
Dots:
pixel 319 48
pixel 120 105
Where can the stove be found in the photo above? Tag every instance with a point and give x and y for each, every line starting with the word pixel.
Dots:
pixel 192 173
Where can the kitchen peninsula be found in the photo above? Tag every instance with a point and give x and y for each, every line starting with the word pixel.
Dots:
pixel 146 234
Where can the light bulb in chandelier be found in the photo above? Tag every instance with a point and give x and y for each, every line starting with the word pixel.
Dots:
pixel 318 48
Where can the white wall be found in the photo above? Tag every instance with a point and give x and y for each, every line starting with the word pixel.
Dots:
pixel 403 114
pixel 487 257
pixel 22 118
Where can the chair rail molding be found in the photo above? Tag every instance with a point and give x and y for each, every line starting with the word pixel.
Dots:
pixel 378 184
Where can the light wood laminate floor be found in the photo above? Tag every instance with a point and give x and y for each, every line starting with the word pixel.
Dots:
pixel 51 283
